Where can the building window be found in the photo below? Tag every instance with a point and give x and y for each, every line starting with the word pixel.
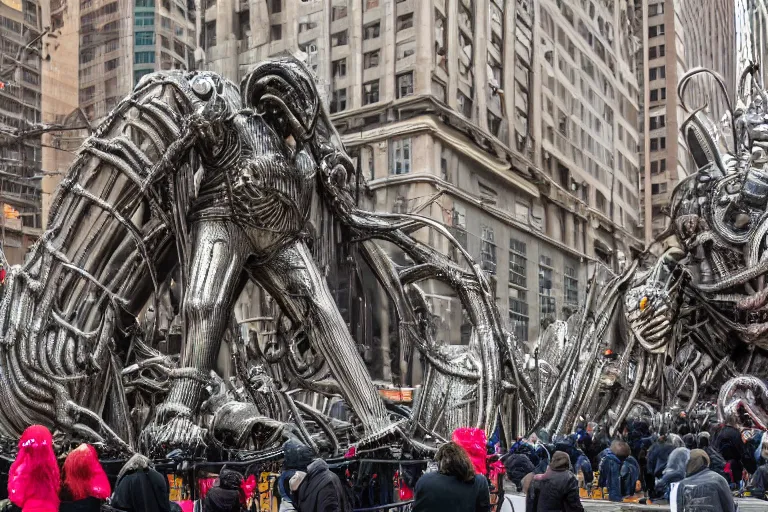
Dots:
pixel 370 92
pixel 657 122
pixel 339 38
pixel 277 6
pixel 405 21
pixel 459 227
pixel 656 9
pixel 655 73
pixel 371 59
pixel 656 30
pixel 371 31
pixel 145 19
pixel 276 32
pixel 371 4
pixel 494 123
pixel 488 250
pixel 658 188
pixel 144 38
pixel 518 313
pixel 111 65
pixel 400 156
pixel 547 303
pixel 518 263
pixel 338 12
pixel 658 143
pixel 339 101
pixel 339 68
pixel 654 95
pixel 144 58
pixel 403 50
pixel 404 85
pixel 464 104
pixel 571 286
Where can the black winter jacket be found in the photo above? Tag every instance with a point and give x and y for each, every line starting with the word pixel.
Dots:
pixel 436 492
pixel 89 504
pixel 517 466
pixel 321 491
pixel 144 490
pixel 554 491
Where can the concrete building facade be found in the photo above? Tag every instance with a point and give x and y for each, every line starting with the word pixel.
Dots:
pixel 440 100
pixel 678 36
pixel 20 112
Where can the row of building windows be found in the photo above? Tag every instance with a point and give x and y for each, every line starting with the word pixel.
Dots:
pixel 371 89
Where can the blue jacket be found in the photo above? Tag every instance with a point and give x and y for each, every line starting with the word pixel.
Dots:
pixel 617 475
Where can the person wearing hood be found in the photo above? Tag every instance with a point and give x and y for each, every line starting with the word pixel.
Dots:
pixel 517 466
pixel 140 488
pixel 297 457
pixel 657 460
pixel 674 472
pixel 455 486
pixel 555 490
pixel 703 490
pixel 759 483
pixel 318 489
pixel 227 494
pixel 730 445
pixel 619 471
pixel 579 461
pixel 33 480
pixel 86 485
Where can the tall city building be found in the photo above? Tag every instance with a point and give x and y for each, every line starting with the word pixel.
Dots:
pixel 751 33
pixel 99 49
pixel 678 36
pixel 502 119
pixel 20 143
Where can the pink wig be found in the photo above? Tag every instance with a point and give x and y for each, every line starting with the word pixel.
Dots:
pixel 83 475
pixel 34 475
pixel 474 441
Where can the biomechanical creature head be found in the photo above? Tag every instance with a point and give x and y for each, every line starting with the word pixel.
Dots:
pixel 651 304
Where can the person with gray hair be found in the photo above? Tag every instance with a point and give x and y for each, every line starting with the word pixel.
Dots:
pixel 140 488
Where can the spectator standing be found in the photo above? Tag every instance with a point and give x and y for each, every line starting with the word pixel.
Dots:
pixel 85 486
pixel 703 490
pixel 33 480
pixel 297 457
pixel 318 489
pixel 555 490
pixel 729 444
pixel 226 495
pixel 674 472
pixel 454 487
pixel 140 488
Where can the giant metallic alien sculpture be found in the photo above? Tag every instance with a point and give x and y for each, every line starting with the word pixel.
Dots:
pixel 190 177
pixel 693 320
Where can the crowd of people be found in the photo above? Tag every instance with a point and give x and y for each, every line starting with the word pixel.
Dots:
pixel 697 470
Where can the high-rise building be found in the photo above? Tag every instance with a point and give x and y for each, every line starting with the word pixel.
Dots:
pixel 751 33
pixel 99 49
pixel 450 106
pixel 678 36
pixel 20 145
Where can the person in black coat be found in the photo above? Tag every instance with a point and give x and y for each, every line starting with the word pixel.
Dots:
pixel 318 490
pixel 140 488
pixel 453 487
pixel 227 493
pixel 730 445
pixel 517 466
pixel 556 490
